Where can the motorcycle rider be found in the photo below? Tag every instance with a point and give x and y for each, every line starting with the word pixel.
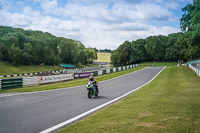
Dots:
pixel 93 80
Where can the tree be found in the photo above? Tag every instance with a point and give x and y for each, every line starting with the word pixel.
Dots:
pixel 35 47
pixel 90 54
pixel 15 55
pixel 122 55
pixel 27 56
pixel 155 46
pixel 171 51
pixel 139 53
pixel 190 19
pixel 190 24
pixel 115 57
pixel 125 52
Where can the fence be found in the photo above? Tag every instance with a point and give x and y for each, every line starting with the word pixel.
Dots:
pixel 112 70
pixel 196 70
pixel 36 80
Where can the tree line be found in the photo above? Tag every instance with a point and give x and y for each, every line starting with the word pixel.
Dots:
pixel 104 51
pixel 184 45
pixel 26 47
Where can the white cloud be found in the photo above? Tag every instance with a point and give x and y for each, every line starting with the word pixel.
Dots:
pixel 94 24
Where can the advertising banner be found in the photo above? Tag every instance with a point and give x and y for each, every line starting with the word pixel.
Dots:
pixel 83 75
pixel 54 78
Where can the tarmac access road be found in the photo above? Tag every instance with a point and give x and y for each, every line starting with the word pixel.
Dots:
pixel 37 111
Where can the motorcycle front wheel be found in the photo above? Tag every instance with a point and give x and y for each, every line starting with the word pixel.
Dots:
pixel 89 93
pixel 97 92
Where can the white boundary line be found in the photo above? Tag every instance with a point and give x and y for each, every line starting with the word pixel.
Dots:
pixel 60 89
pixel 56 127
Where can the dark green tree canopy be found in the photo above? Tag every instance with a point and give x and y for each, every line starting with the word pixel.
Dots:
pixel 191 18
pixel 19 46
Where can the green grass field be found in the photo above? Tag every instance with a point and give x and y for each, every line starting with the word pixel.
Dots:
pixel 71 83
pixel 169 104
pixel 104 57
pixel 8 69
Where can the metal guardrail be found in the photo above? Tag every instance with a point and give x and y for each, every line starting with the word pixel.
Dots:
pixel 74 70
pixel 196 70
pixel 11 83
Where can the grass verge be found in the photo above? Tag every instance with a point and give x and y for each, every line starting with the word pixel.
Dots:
pixel 8 69
pixel 71 83
pixel 170 103
pixel 159 63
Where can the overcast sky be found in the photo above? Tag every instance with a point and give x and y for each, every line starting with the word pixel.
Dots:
pixel 96 23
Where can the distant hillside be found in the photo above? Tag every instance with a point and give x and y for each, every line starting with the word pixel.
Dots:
pixel 28 47
pixel 104 57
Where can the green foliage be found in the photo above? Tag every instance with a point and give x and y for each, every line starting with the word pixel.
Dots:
pixel 152 48
pixel 190 24
pixel 90 55
pixel 190 19
pixel 104 51
pixel 122 55
pixel 155 46
pixel 26 47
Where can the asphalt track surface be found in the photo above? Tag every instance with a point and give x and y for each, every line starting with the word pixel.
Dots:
pixel 36 112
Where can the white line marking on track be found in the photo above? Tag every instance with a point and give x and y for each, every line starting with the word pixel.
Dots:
pixel 56 127
pixel 60 89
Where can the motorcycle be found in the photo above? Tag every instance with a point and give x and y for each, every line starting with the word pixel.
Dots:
pixel 92 89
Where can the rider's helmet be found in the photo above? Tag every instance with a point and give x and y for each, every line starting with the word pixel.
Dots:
pixel 91 78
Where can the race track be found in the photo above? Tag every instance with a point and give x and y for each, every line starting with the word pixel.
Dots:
pixel 35 112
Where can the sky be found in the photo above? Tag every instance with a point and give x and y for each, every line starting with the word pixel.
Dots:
pixel 98 24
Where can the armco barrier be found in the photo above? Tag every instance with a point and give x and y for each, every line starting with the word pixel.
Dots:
pixel 104 71
pixel 107 71
pixel 30 81
pixel 117 69
pixel 95 73
pixel 197 71
pixel 111 70
pixel 11 83
pixel 36 80
pixel 100 72
pixel 124 68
